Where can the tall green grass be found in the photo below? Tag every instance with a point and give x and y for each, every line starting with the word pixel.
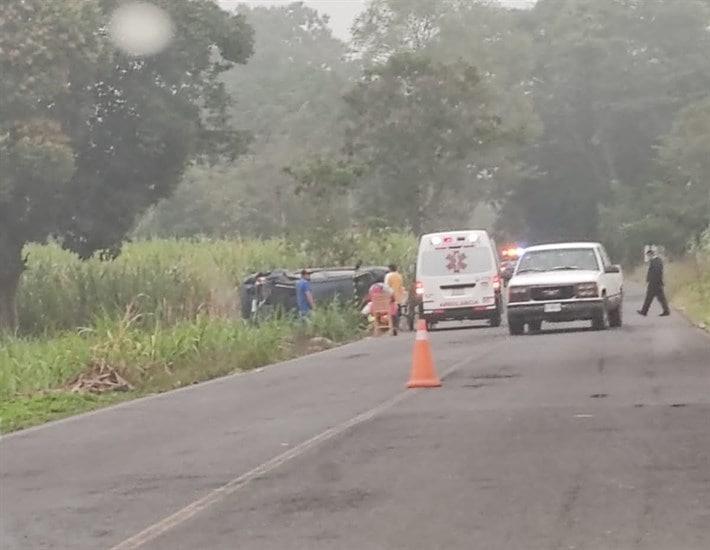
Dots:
pixel 168 281
pixel 36 373
pixel 163 357
pixel 31 365
pixel 689 287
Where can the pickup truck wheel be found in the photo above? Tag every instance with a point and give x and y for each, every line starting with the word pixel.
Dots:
pixel 515 327
pixel 616 317
pixel 534 326
pixel 601 319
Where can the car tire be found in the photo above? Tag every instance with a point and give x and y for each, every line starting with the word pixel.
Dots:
pixel 616 317
pixel 534 326
pixel 601 319
pixel 516 327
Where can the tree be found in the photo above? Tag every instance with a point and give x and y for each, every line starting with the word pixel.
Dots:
pixel 609 77
pixel 289 97
pixel 673 209
pixel 429 134
pixel 325 185
pixel 483 34
pixel 389 27
pixel 90 136
pixel 684 155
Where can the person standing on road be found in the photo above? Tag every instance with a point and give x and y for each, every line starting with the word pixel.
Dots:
pixel 395 282
pixel 654 282
pixel 304 295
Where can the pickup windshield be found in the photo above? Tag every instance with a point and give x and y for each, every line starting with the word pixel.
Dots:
pixel 559 260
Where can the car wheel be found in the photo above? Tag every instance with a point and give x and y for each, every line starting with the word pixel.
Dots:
pixel 516 327
pixel 616 317
pixel 601 319
pixel 430 326
pixel 534 326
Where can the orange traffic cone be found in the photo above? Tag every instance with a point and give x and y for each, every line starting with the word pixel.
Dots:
pixel 423 372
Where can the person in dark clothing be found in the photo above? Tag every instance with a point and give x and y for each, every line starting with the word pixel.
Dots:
pixel 654 282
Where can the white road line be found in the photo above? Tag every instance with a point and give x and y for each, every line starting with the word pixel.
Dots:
pixel 218 495
pixel 221 493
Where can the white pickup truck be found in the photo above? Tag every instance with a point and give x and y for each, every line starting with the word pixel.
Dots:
pixel 562 283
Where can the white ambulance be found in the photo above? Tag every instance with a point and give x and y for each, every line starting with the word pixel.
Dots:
pixel 458 278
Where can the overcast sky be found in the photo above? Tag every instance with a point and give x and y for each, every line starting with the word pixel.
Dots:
pixel 342 12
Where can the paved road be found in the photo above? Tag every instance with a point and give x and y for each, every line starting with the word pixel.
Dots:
pixel 564 440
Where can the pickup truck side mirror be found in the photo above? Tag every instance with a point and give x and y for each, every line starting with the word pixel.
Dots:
pixel 612 269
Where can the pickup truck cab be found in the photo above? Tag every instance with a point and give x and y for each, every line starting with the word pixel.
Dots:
pixel 565 282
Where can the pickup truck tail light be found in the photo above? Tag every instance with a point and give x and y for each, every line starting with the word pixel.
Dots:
pixel 587 290
pixel 419 289
pixel 518 294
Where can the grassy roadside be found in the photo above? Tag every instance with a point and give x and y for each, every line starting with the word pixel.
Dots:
pixel 689 289
pixel 163 315
pixel 50 378
pixel 24 412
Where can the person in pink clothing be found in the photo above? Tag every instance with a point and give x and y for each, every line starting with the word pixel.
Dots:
pixel 376 290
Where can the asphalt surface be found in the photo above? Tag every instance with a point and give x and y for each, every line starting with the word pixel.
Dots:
pixel 570 439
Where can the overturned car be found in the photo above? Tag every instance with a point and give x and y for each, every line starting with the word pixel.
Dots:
pixel 263 294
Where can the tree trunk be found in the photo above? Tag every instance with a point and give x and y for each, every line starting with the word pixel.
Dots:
pixel 11 268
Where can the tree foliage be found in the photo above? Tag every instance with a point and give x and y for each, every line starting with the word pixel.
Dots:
pixel 479 34
pixel 90 136
pixel 609 76
pixel 684 156
pixel 289 97
pixel 599 107
pixel 325 185
pixel 391 27
pixel 428 133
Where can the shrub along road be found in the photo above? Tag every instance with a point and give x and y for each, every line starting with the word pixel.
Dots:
pixel 572 439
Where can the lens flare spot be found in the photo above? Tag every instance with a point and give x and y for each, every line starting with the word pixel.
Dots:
pixel 141 28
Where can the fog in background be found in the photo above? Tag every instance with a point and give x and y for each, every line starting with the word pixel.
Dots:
pixel 342 13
